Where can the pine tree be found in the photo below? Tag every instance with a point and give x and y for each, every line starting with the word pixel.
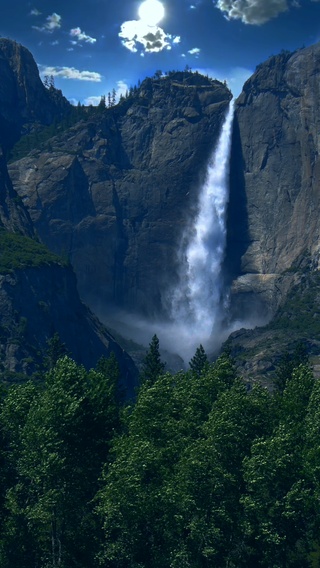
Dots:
pixel 55 350
pixel 152 364
pixel 102 103
pixel 199 361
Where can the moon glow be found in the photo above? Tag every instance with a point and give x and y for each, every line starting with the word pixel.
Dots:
pixel 151 12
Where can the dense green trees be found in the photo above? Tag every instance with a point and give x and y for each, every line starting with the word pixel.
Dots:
pixel 198 472
pixel 57 440
pixel 152 364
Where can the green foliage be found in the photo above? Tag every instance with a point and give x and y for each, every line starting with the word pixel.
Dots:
pixel 287 364
pixel 199 472
pixel 55 350
pixel 19 252
pixel 58 439
pixel 152 364
pixel 199 361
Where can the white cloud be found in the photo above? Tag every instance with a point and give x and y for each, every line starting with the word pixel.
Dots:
pixel 81 36
pixel 35 12
pixel 122 88
pixel 194 51
pixel 252 11
pixel 235 77
pixel 137 34
pixel 53 23
pixel 93 100
pixel 152 38
pixel 71 73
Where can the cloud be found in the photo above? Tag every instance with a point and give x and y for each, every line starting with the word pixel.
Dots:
pixel 94 100
pixel 73 101
pixel 254 12
pixel 71 73
pixel 35 12
pixel 194 51
pixel 53 23
pixel 122 88
pixel 136 34
pixel 81 36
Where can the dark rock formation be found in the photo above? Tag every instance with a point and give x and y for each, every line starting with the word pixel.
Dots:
pixel 36 303
pixel 13 215
pixel 114 192
pixel 38 299
pixel 24 101
pixel 275 194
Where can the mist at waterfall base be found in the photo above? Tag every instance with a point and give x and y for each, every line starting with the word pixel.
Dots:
pixel 198 304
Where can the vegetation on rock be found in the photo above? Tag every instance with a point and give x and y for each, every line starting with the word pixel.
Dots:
pixel 19 252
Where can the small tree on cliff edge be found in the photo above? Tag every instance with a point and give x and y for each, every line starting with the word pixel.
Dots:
pixel 152 364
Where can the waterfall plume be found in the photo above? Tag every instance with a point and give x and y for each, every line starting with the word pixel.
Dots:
pixel 196 301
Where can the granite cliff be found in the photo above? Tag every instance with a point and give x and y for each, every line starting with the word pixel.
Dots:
pixel 113 192
pixel 25 103
pixel 38 290
pixel 273 227
pixel 275 170
pixel 38 301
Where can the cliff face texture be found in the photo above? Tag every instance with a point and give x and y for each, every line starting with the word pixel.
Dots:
pixel 36 303
pixel 38 292
pixel 275 180
pixel 13 215
pixel 24 100
pixel 114 192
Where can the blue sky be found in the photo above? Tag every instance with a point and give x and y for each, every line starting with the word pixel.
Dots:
pixel 93 46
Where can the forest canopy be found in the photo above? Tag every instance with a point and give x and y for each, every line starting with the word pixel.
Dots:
pixel 198 471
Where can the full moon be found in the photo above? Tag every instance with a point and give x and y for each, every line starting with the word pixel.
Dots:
pixel 151 12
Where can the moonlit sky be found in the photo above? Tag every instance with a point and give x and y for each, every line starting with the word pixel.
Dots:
pixel 93 46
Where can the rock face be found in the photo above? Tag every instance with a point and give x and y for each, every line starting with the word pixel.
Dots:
pixel 275 173
pixel 114 192
pixel 37 302
pixel 38 296
pixel 24 100
pixel 13 215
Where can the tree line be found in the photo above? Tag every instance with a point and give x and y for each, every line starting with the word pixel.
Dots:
pixel 199 471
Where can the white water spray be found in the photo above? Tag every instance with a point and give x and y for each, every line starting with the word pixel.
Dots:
pixel 196 302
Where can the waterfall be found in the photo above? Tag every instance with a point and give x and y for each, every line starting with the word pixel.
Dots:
pixel 196 301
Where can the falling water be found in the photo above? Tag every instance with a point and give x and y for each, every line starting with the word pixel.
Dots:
pixel 196 302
